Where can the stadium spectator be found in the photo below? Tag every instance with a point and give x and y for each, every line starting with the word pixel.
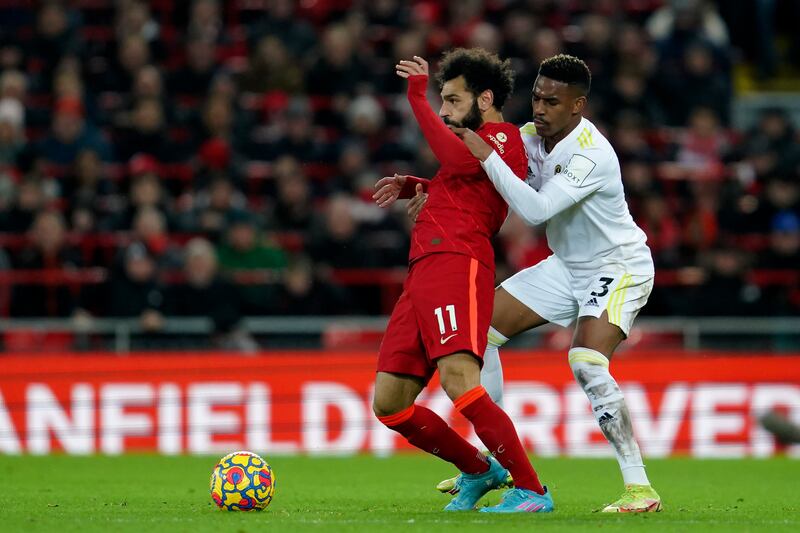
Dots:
pixel 293 208
pixel 144 190
pixel 205 21
pixel 727 290
pixel 784 246
pixel 338 240
pixel 246 251
pixel 662 230
pixel 132 55
pixel 691 39
pixel 55 37
pixel 146 133
pixel 194 78
pixel 338 71
pixel 134 17
pixel 48 251
pixel 207 294
pixel 681 18
pixel 12 131
pixel 215 207
pixel 299 138
pixel 303 293
pixel 770 148
pixel 700 149
pixel 71 133
pixel 135 292
pixel 244 248
pixel 281 21
pixel 87 190
pixel 30 199
pixel 272 68
pixel 150 229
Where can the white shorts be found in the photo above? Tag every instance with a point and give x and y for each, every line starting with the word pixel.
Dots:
pixel 551 290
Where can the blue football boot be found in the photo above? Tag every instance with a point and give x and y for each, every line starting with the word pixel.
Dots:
pixel 472 487
pixel 522 501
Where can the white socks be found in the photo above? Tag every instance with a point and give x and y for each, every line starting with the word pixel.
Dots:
pixel 590 369
pixel 492 371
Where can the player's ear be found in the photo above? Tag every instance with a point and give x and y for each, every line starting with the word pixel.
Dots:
pixel 485 100
pixel 579 105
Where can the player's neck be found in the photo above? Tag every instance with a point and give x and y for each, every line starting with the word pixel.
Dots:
pixel 551 142
pixel 491 115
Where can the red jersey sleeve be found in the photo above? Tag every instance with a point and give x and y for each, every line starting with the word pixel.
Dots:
pixel 408 190
pixel 505 139
pixel 446 146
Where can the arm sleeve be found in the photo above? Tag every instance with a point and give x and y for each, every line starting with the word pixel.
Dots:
pixel 535 207
pixel 411 183
pixel 582 177
pixel 449 150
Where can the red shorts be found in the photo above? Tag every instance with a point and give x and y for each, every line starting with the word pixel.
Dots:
pixel 445 308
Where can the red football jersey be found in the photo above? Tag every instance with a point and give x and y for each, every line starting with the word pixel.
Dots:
pixel 464 210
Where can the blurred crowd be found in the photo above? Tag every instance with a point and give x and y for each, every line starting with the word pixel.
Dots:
pixel 218 158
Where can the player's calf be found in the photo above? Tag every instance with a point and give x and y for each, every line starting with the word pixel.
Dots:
pixel 590 369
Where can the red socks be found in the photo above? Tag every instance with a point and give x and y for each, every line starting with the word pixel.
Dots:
pixel 497 432
pixel 427 431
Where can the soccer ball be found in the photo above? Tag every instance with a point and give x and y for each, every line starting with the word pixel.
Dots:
pixel 242 481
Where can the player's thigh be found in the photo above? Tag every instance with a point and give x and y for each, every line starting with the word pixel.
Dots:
pixel 534 296
pixel 610 302
pixel 597 333
pixel 511 317
pixel 395 392
pixel 401 350
pixel 452 295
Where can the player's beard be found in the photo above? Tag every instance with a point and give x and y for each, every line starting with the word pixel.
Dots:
pixel 471 120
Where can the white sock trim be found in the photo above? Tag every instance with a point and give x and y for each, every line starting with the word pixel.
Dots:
pixel 587 355
pixel 495 338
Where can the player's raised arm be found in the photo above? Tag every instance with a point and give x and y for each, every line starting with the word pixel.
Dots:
pixel 447 148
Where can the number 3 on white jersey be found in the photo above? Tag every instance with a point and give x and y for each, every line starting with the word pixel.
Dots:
pixel 451 311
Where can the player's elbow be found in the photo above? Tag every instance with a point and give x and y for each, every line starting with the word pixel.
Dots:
pixel 533 219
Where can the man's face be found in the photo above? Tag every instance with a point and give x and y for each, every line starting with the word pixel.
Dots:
pixel 554 105
pixel 459 106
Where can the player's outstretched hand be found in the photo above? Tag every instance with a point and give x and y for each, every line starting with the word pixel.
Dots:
pixel 414 67
pixel 476 145
pixel 416 204
pixel 387 190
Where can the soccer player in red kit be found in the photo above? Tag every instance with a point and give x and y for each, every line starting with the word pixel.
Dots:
pixel 441 319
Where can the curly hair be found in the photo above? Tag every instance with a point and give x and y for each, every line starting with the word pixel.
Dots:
pixel 482 71
pixel 567 69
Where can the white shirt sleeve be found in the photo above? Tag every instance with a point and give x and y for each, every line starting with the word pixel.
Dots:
pixel 535 207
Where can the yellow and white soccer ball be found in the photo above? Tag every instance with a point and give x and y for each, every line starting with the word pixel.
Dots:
pixel 242 481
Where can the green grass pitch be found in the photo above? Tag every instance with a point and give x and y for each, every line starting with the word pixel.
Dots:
pixel 150 494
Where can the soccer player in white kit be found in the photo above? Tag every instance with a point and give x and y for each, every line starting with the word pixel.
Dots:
pixel 601 271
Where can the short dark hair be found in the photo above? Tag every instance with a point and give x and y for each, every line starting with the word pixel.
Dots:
pixel 482 71
pixel 567 69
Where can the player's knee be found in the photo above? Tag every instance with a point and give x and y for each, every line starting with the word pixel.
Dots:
pixel 387 405
pixel 459 374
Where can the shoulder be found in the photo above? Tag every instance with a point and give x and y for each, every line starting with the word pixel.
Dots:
pixel 502 136
pixel 502 131
pixel 591 138
pixel 591 144
pixel 528 131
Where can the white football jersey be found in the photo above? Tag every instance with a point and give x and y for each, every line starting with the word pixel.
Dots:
pixel 597 229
